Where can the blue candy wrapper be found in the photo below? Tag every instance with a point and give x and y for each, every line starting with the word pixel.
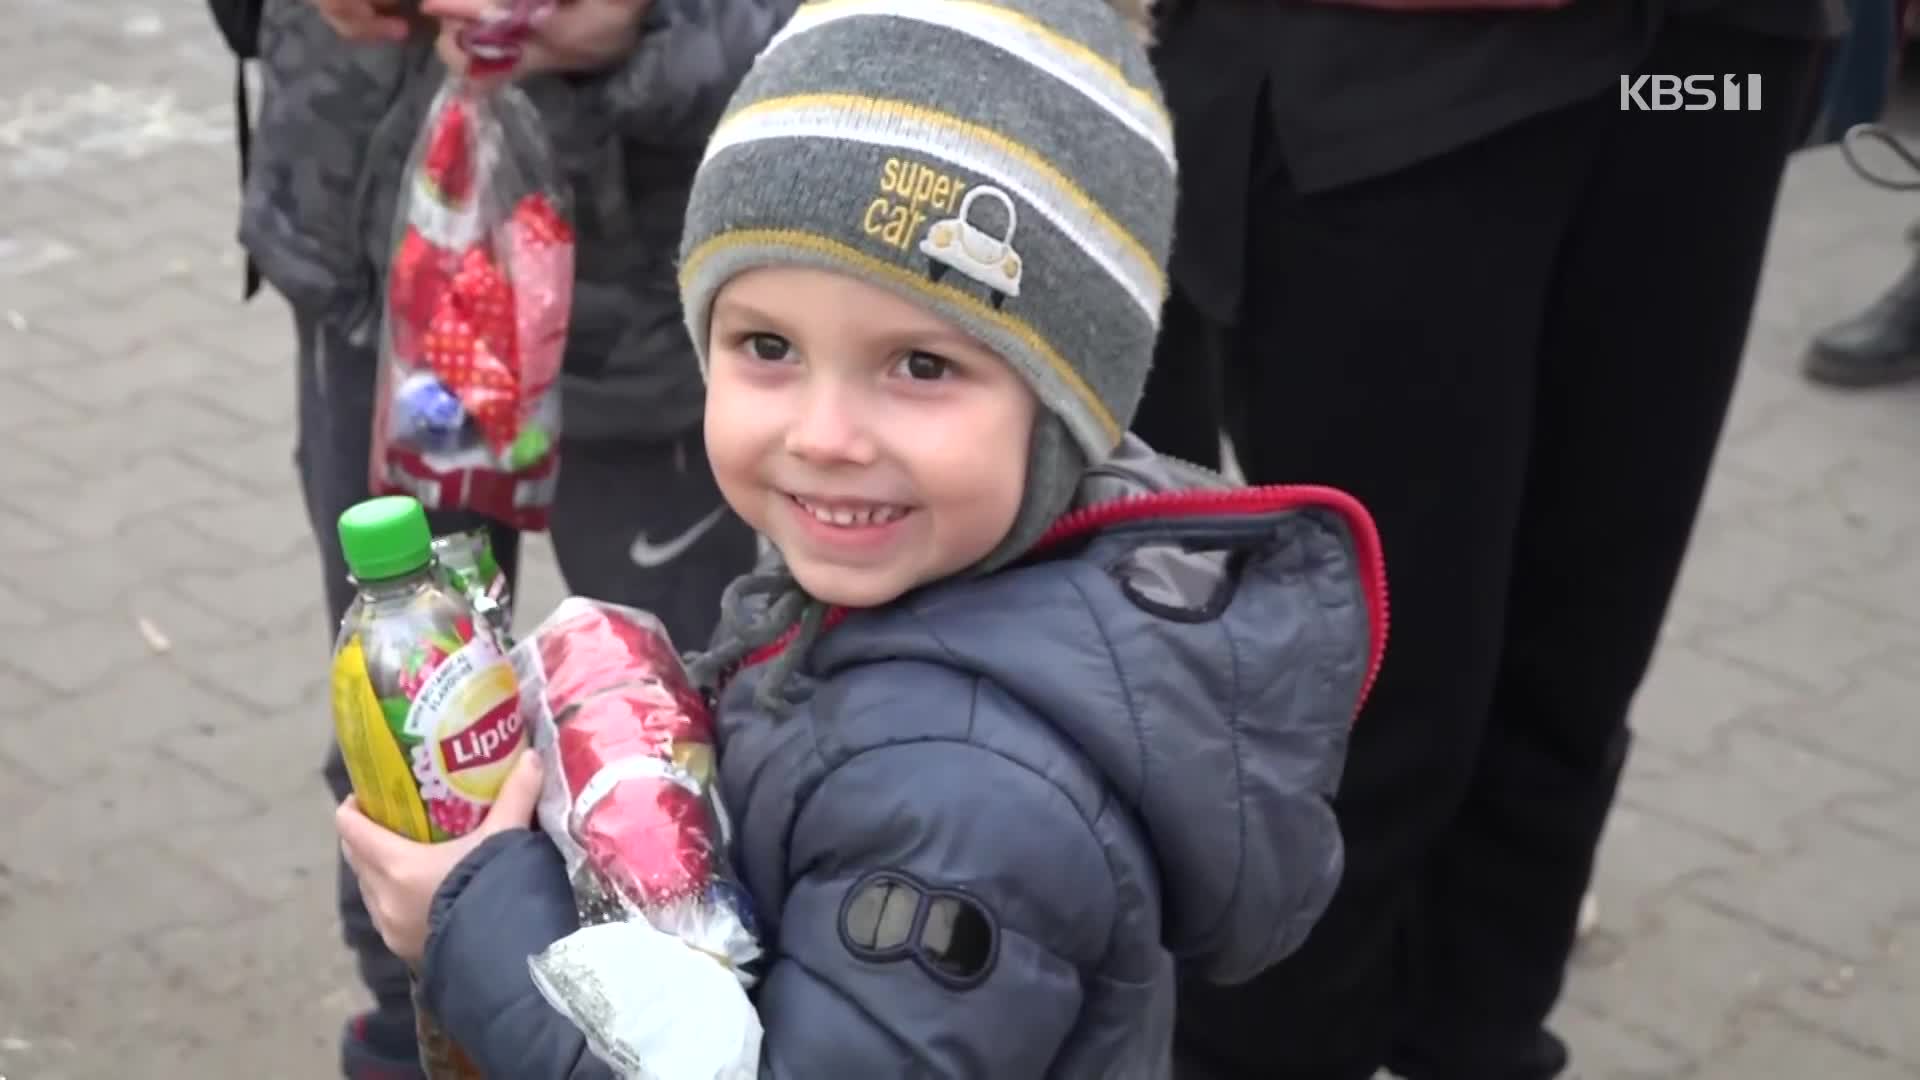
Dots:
pixel 429 413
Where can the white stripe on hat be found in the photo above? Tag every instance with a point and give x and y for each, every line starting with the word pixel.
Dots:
pixel 1032 41
pixel 910 126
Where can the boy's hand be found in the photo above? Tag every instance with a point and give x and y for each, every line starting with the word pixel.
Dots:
pixel 578 35
pixel 398 877
pixel 365 20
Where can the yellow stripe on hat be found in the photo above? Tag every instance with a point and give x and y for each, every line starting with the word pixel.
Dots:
pixel 833 249
pixel 906 125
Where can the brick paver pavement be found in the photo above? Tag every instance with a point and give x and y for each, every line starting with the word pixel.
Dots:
pixel 164 869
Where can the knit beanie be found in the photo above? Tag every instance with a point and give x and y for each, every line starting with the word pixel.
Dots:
pixel 1007 164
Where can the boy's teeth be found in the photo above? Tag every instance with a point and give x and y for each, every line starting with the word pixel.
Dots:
pixel 849 518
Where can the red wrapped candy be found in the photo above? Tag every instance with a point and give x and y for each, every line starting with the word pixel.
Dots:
pixel 472 349
pixel 449 162
pixel 653 845
pixel 661 964
pixel 578 650
pixel 630 748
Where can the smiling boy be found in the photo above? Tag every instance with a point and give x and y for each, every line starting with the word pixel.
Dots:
pixel 1026 723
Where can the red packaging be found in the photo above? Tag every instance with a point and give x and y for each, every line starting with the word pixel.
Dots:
pixel 630 748
pixel 479 293
pixel 660 967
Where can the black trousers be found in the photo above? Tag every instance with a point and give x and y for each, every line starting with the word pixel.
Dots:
pixel 1519 355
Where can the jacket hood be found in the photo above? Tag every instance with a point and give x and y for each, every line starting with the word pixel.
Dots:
pixel 1206 648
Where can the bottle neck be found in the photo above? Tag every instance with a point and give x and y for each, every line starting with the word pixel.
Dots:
pixel 396 588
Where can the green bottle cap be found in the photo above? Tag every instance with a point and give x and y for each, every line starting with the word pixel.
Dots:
pixel 386 537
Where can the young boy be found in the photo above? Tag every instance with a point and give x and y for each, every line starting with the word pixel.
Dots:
pixel 1027 723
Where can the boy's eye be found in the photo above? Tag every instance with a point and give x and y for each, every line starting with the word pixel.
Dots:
pixel 925 367
pixel 770 347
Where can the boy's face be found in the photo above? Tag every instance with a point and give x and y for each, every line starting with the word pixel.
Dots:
pixel 874 443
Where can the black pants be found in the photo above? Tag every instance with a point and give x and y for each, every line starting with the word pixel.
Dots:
pixel 619 517
pixel 1519 355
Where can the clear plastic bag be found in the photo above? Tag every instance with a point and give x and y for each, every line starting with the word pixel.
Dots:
pixel 478 296
pixel 657 976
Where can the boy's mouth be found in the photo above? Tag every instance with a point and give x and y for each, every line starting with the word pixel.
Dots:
pixel 850 513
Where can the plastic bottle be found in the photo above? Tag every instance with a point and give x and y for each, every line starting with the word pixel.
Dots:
pixel 425 703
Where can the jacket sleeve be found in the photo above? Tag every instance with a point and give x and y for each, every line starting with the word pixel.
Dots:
pixel 506 901
pixel 671 90
pixel 943 903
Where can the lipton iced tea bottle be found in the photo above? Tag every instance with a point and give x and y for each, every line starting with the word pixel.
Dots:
pixel 425 703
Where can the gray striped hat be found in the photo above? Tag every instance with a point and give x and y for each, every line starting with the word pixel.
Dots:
pixel 1008 164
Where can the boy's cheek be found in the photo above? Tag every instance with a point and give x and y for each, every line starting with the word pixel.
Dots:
pixel 722 417
pixel 733 461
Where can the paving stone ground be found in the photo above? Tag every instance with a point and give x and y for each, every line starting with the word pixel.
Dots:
pixel 164 891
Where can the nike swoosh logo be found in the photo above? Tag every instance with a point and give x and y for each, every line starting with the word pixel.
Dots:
pixel 647 554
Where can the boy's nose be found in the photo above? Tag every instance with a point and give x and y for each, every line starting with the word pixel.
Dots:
pixel 828 431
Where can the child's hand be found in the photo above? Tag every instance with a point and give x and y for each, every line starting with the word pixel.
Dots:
pixel 398 877
pixel 579 35
pixel 364 20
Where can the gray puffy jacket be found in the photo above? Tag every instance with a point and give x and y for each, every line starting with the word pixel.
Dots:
pixel 1011 813
pixel 337 121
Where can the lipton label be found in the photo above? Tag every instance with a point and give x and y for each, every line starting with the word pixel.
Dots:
pixel 490 741
pixel 467 718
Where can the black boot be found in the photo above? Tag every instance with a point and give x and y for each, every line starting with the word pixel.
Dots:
pixel 1878 346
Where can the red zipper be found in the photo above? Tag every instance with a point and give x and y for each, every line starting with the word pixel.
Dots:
pixel 1212 503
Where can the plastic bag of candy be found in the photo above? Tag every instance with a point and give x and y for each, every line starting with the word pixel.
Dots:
pixel 478 295
pixel 657 976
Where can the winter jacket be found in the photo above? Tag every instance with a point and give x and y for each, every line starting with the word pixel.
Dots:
pixel 338 119
pixel 1008 814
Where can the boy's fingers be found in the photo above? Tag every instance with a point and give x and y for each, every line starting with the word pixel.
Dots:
pixel 449 51
pixel 514 806
pixel 456 9
pixel 353 863
pixel 348 810
pixel 373 29
pixel 360 836
pixel 361 20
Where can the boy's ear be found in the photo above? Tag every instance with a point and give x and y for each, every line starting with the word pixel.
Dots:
pixel 1138 15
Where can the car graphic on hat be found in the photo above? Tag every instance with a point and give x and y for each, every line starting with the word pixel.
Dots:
pixel 959 244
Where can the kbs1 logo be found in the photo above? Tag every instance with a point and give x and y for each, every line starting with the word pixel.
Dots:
pixel 1691 93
